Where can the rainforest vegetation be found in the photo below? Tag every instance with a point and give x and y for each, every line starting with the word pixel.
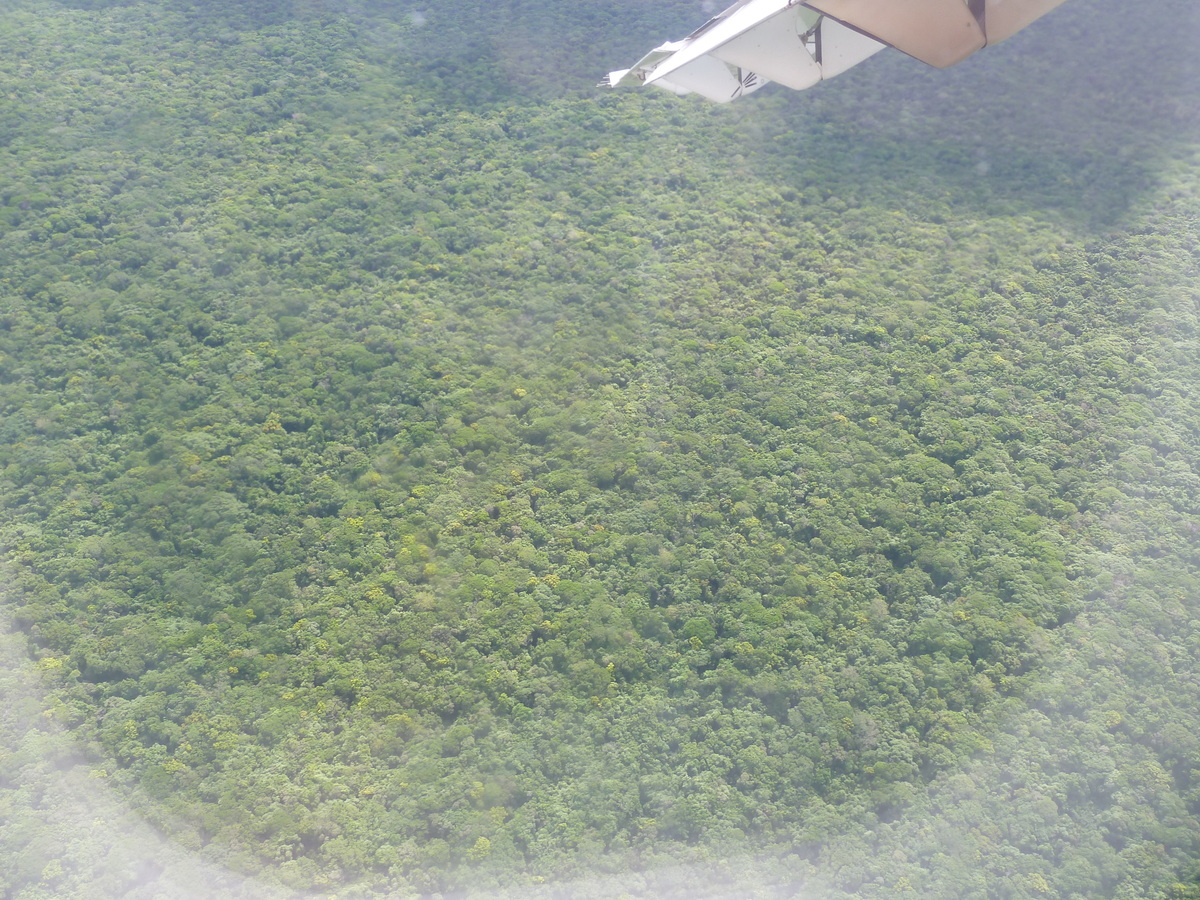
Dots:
pixel 423 472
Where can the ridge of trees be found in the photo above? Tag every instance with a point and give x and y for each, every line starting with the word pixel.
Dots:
pixel 418 479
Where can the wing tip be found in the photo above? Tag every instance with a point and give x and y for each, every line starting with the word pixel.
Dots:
pixel 612 79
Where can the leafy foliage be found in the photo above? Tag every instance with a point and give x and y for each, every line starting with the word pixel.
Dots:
pixel 419 475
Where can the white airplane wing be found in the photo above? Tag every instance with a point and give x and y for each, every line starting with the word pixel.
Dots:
pixel 798 43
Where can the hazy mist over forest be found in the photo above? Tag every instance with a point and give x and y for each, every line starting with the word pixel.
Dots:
pixel 425 474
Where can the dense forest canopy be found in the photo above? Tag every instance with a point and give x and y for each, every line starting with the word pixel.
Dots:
pixel 423 473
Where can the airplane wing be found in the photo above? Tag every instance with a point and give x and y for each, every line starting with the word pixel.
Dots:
pixel 799 43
